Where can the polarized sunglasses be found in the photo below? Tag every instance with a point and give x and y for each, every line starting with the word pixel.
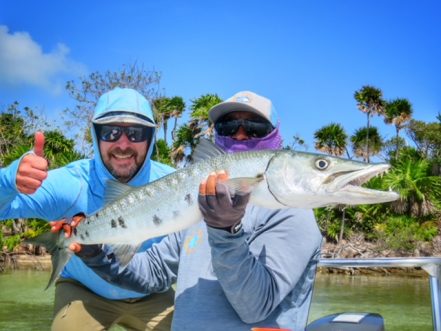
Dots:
pixel 111 133
pixel 253 128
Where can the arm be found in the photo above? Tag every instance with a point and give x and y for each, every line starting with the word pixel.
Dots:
pixel 258 272
pixel 276 256
pixel 24 176
pixel 154 270
pixel 7 184
pixel 29 190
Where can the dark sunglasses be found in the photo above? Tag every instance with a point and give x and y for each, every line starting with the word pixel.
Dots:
pixel 112 133
pixel 253 128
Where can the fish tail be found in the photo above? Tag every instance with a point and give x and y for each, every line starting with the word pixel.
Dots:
pixel 60 255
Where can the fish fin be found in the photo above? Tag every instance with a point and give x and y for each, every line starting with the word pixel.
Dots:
pixel 59 255
pixel 242 184
pixel 206 149
pixel 115 190
pixel 124 252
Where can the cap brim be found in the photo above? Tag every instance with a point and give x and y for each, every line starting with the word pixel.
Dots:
pixel 123 119
pixel 227 107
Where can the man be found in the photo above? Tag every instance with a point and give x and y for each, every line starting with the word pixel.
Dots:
pixel 244 266
pixel 123 138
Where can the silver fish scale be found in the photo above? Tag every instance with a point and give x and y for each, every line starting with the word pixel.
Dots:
pixel 292 179
pixel 165 205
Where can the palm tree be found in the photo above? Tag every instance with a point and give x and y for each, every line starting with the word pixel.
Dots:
pixel 187 136
pixel 359 138
pixel 420 192
pixel 162 113
pixel 370 101
pixel 199 112
pixel 166 108
pixel 185 139
pixel 178 107
pixel 398 112
pixel 331 139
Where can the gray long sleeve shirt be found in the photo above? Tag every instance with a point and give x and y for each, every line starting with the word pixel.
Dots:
pixel 261 276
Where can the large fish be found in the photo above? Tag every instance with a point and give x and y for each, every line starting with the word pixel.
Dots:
pixel 277 179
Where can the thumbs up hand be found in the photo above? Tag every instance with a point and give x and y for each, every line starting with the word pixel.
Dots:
pixel 33 168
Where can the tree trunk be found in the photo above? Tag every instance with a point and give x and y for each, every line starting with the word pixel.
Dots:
pixel 342 226
pixel 367 136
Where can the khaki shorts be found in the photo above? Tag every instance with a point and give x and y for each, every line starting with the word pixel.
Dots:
pixel 77 308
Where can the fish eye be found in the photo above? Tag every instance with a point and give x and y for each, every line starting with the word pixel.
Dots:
pixel 321 164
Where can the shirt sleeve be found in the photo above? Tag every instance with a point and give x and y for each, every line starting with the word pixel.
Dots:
pixel 257 271
pixel 57 194
pixel 8 188
pixel 153 271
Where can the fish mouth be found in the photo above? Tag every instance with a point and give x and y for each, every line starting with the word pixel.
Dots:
pixel 349 183
pixel 355 178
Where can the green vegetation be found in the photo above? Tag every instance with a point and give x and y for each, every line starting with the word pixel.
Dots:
pixel 415 172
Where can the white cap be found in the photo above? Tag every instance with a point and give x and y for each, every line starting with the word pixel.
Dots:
pixel 124 117
pixel 244 101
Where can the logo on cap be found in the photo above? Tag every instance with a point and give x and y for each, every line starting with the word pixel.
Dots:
pixel 243 99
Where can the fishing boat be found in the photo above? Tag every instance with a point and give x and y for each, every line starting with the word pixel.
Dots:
pixel 365 321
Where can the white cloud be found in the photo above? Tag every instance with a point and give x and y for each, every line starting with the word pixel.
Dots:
pixel 23 62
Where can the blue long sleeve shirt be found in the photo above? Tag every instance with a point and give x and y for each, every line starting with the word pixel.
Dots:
pixel 67 191
pixel 80 187
pixel 261 276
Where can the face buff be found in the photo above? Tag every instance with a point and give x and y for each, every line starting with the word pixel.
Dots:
pixel 271 141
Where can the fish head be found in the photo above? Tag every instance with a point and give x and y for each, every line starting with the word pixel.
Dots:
pixel 313 180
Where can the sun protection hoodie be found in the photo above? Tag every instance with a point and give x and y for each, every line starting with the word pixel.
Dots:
pixel 80 187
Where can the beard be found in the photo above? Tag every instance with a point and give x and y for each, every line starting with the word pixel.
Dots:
pixel 123 164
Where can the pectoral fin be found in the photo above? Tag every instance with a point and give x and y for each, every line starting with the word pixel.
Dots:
pixel 124 253
pixel 243 184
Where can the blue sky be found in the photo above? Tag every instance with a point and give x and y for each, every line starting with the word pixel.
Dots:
pixel 309 57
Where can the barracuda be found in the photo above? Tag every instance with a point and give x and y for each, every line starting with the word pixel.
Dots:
pixel 277 179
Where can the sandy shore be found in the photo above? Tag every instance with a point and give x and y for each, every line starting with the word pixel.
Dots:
pixel 31 262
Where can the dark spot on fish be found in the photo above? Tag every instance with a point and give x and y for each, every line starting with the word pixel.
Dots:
pixel 121 222
pixel 97 215
pixel 75 231
pixel 157 220
pixel 87 234
pixel 82 237
pixel 188 199
pixel 113 223
pixel 176 213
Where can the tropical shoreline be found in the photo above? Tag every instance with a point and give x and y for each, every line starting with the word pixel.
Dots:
pixel 43 263
pixel 356 247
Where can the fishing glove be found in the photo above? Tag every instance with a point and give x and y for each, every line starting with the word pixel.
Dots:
pixel 222 210
pixel 87 250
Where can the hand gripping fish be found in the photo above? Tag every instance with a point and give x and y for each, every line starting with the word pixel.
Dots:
pixel 277 179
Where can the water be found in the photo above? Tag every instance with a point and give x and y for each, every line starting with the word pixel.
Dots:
pixel 403 302
pixel 24 305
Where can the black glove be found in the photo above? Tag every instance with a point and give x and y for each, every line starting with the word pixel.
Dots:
pixel 89 250
pixel 222 210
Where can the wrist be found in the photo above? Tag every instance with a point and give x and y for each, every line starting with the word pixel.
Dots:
pixel 233 229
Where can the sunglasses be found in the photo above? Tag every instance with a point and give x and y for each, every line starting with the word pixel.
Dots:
pixel 136 134
pixel 253 128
